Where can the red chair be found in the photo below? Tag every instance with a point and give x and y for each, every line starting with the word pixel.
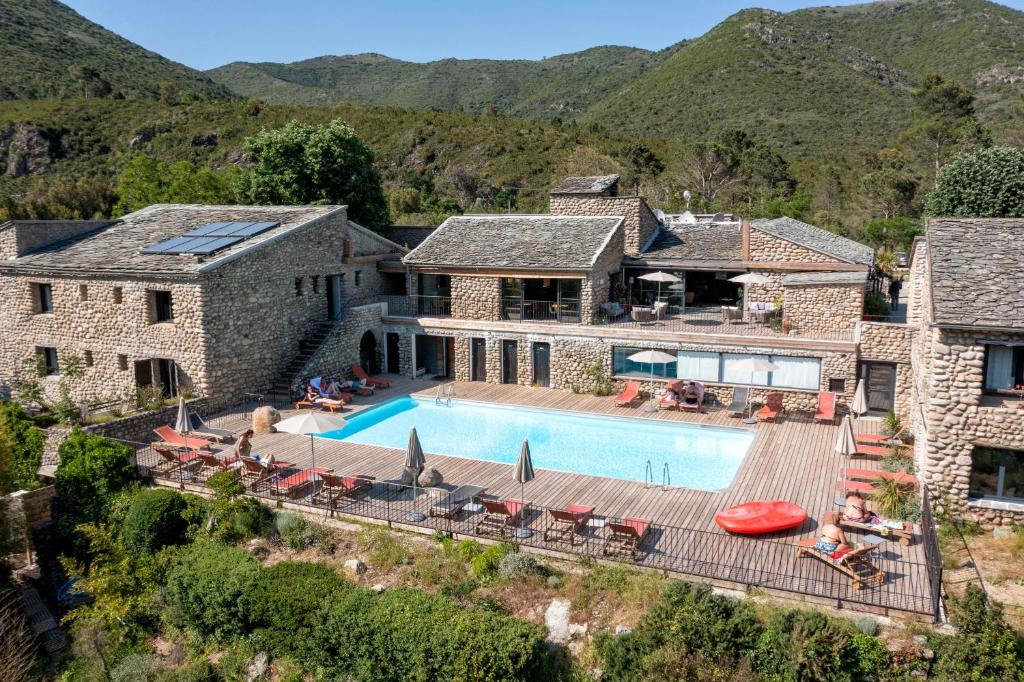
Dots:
pixel 171 437
pixel 826 411
pixel 626 536
pixel 772 407
pixel 361 374
pixel 629 395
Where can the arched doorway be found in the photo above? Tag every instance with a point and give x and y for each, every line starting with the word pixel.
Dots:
pixel 368 353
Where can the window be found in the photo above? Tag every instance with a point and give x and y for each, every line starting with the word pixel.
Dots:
pixel 1004 367
pixel 83 292
pixel 163 310
pixel 44 298
pixel 997 472
pixel 622 365
pixel 49 356
pixel 87 355
pixel 298 286
pixel 122 362
pixel 837 385
pixel 358 275
pixel 316 283
pixel 698 366
pixel 732 373
pixel 118 295
pixel 796 372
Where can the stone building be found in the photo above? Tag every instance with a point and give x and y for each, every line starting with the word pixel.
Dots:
pixel 966 305
pixel 217 312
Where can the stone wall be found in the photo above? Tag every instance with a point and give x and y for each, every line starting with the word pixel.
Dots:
pixel 19 239
pixel 768 248
pixel 476 298
pixel 884 342
pixel 597 285
pixel 770 292
pixel 916 290
pixel 340 350
pixel 828 309
pixel 640 223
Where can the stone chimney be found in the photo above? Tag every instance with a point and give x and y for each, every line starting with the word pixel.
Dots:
pixel 598 196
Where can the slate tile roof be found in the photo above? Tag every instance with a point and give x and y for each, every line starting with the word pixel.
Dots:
pixel 117 249
pixel 410 236
pixel 516 242
pixel 594 184
pixel 977 271
pixel 816 239
pixel 711 242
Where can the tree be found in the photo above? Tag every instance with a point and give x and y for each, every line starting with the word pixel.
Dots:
pixel 61 198
pixel 641 162
pixel 146 180
pixel 710 168
pixel 985 183
pixel 26 448
pixel 888 188
pixel 892 233
pixel 943 118
pixel 315 164
pixel 169 92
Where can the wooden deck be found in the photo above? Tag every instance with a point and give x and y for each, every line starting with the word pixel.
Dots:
pixel 790 460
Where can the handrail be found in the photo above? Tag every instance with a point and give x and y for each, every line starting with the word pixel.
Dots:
pixel 666 477
pixel 648 474
pixel 450 394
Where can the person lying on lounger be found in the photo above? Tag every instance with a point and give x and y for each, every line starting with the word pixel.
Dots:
pixel 832 539
pixel 857 512
pixel 691 396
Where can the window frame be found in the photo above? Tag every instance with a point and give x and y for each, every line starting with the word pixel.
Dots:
pixel 1000 489
pixel 720 377
pixel 1017 370
pixel 42 294
pixel 45 351
pixel 157 306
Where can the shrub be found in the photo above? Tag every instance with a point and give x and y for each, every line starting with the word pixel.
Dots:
pixel 982 183
pixel 485 564
pixel 207 586
pixel 516 565
pixel 26 443
pixel 154 520
pixel 987 648
pixel 244 519
pixel 385 549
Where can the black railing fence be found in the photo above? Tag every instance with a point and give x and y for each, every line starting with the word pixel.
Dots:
pixel 767 563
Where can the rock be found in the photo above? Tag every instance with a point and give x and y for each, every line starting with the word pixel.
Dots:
pixel 264 418
pixel 378 588
pixel 621 629
pixel 207 140
pixel 355 567
pixel 430 477
pixel 556 618
pixel 920 639
pixel 1001 532
pixel 257 667
pixel 24 150
pixel 577 629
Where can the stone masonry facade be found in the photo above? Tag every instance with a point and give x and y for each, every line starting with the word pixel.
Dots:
pixel 884 342
pixel 640 222
pixel 476 298
pixel 823 309
pixel 768 248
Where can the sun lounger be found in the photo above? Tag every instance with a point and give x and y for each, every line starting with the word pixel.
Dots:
pixel 872 475
pixel 169 436
pixel 903 531
pixel 379 382
pixel 567 523
pixel 626 536
pixel 285 486
pixel 337 487
pixel 670 400
pixel 501 515
pixel 328 404
pixel 201 428
pixel 878 450
pixel 740 397
pixel 826 411
pixel 212 464
pixel 451 504
pixel 174 460
pixel 694 407
pixel 854 563
pixel 880 438
pixel 629 395
pixel 772 407
pixel 254 471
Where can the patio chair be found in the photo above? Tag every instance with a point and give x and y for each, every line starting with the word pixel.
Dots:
pixel 285 486
pixel 629 395
pixel 501 516
pixel 613 309
pixel 173 460
pixel 361 374
pixel 731 314
pixel 670 399
pixel 568 523
pixel 881 438
pixel 641 314
pixel 694 407
pixel 451 504
pixel 853 563
pixel 660 309
pixel 324 404
pixel 169 436
pixel 201 428
pixel 626 537
pixel 335 487
pixel 900 476
pixel 212 464
pixel 255 472
pixel 879 451
pixel 772 407
pixel 826 411
pixel 740 398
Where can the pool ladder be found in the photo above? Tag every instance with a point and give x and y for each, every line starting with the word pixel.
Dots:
pixel 666 477
pixel 444 395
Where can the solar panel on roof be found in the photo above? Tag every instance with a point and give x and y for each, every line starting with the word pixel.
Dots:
pixel 164 246
pixel 206 239
pixel 206 230
pixel 252 229
pixel 212 245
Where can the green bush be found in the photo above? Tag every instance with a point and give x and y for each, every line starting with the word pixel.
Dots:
pixel 983 183
pixel 986 648
pixel 26 442
pixel 207 588
pixel 154 520
pixel 486 563
pixel 517 565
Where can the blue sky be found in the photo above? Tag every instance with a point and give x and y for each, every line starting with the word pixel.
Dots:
pixel 208 33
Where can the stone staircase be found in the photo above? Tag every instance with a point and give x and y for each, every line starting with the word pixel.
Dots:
pixel 307 348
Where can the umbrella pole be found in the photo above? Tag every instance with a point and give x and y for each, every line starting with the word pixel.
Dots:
pixel 650 405
pixel 750 403
pixel 312 476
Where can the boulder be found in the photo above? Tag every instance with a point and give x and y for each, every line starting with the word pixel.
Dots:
pixel 408 476
pixel 257 667
pixel 355 567
pixel 264 418
pixel 431 477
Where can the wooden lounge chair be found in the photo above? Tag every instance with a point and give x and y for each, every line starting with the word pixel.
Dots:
pixel 878 450
pixel 360 373
pixel 451 504
pixel 694 407
pixel 254 471
pixel 285 486
pixel 904 532
pixel 880 438
pixel 501 515
pixel 629 395
pixel 169 436
pixel 337 487
pixel 670 401
pixel 626 537
pixel 772 407
pixel 872 475
pixel 568 523
pixel 329 404
pixel 174 460
pixel 740 398
pixel 201 428
pixel 854 563
pixel 212 464
pixel 826 411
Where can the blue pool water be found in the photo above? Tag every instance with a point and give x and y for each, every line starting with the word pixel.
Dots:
pixel 698 457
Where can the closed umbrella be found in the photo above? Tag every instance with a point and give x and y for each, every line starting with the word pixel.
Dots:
pixel 182 426
pixel 860 400
pixel 846 442
pixel 414 462
pixel 752 366
pixel 659 277
pixel 310 423
pixel 652 357
pixel 523 475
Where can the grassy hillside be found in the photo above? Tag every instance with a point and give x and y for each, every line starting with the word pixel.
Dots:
pixel 49 50
pixel 811 81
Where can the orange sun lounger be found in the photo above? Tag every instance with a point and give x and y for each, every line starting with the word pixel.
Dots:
pixel 629 395
pixel 826 411
pixel 626 536
pixel 567 523
pixel 772 407
pixel 379 382
pixel 171 437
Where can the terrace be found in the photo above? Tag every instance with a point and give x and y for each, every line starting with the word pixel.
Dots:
pixel 791 460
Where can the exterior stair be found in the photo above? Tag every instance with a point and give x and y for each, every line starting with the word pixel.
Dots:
pixel 307 348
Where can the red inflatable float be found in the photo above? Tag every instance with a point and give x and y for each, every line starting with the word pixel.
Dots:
pixel 756 518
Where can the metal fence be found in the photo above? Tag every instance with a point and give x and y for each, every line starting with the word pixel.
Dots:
pixel 932 555
pixel 772 563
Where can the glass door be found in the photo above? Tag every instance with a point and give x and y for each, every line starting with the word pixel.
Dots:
pixel 478 360
pixel 880 384
pixel 509 362
pixel 542 364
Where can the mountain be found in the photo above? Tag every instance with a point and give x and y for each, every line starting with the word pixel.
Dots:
pixel 810 81
pixel 49 50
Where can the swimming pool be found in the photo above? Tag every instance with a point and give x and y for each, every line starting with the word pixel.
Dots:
pixel 616 447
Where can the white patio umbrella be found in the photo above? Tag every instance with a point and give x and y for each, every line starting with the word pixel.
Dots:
pixel 750 278
pixel 414 462
pixel 523 474
pixel 652 357
pixel 846 442
pixel 860 400
pixel 753 365
pixel 182 425
pixel 309 423
pixel 659 277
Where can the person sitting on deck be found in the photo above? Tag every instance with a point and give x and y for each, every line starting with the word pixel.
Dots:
pixel 832 540
pixel 856 511
pixel 691 395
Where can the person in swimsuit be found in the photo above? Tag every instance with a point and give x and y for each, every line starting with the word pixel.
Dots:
pixel 691 396
pixel 857 512
pixel 832 540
